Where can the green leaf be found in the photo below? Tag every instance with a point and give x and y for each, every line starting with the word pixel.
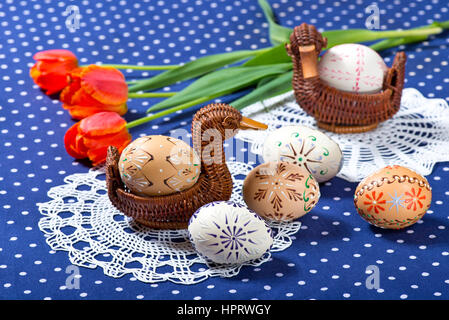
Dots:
pixel 276 54
pixel 279 85
pixel 278 34
pixel 336 37
pixel 264 81
pixel 391 43
pixel 192 69
pixel 441 24
pixel 222 82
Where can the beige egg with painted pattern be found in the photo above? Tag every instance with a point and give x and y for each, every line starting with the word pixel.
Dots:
pixel 393 197
pixel 305 147
pixel 158 165
pixel 280 191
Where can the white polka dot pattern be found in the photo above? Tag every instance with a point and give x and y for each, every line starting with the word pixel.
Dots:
pixel 33 159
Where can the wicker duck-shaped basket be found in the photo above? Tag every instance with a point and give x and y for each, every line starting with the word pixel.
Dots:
pixel 335 110
pixel 214 183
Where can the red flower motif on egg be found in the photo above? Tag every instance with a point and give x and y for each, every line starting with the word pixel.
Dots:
pixel 375 202
pixel 414 200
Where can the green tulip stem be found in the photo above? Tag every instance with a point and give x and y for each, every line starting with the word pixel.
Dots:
pixel 135 67
pixel 151 94
pixel 407 33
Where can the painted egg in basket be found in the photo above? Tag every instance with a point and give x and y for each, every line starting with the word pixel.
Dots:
pixel 353 67
pixel 158 165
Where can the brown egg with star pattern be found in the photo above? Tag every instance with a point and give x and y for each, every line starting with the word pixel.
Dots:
pixel 280 191
pixel 158 165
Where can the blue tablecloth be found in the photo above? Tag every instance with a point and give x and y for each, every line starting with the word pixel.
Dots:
pixel 329 256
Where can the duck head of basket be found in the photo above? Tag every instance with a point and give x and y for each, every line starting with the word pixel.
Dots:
pixel 336 110
pixel 211 125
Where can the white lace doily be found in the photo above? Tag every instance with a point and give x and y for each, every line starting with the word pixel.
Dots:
pixel 416 137
pixel 81 220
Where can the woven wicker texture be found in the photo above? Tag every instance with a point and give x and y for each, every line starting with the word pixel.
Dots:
pixel 214 184
pixel 335 110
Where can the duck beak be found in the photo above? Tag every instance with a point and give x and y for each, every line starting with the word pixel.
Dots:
pixel 247 123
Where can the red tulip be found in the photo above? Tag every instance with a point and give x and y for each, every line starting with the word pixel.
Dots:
pixel 91 137
pixel 95 89
pixel 51 69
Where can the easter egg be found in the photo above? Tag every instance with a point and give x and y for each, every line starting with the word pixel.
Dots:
pixel 394 197
pixel 280 191
pixel 158 165
pixel 305 147
pixel 353 68
pixel 229 233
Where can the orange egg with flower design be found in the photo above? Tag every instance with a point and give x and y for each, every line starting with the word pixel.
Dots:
pixel 394 197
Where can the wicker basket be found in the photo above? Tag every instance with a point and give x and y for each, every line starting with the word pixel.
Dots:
pixel 214 183
pixel 335 110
